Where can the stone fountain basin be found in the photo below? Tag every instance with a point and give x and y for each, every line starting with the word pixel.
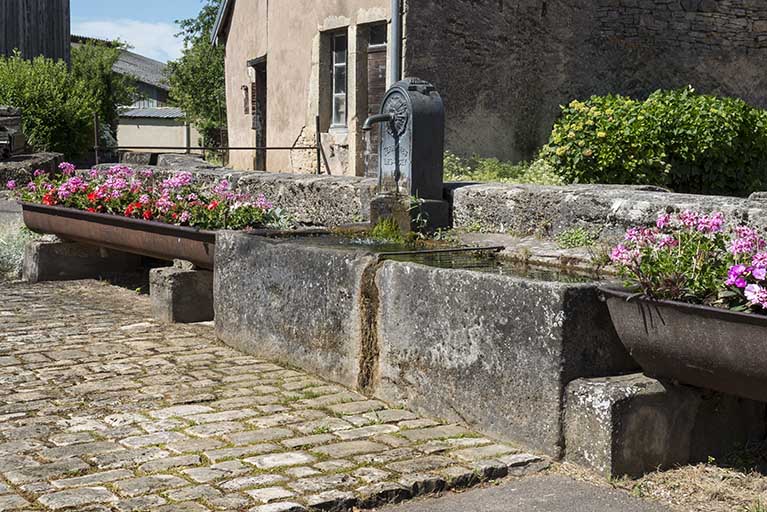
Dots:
pixel 490 350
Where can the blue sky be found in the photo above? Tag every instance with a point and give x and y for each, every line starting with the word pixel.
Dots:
pixel 147 25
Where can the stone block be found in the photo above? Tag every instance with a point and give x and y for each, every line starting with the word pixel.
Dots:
pixel 65 261
pixel 428 216
pixel 632 424
pixel 181 296
pixel 488 350
pixel 292 303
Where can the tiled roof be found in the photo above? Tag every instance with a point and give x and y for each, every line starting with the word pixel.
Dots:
pixel 156 113
pixel 146 70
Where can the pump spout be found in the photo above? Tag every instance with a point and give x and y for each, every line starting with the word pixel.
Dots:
pixel 378 118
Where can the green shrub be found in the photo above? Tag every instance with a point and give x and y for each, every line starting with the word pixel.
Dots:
pixel 57 109
pixel 678 139
pixel 492 169
pixel 13 239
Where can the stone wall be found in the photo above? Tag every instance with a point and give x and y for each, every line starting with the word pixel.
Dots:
pixel 504 67
pixel 607 209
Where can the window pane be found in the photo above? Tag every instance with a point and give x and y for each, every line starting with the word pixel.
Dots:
pixel 378 34
pixel 339 49
pixel 339 110
pixel 339 80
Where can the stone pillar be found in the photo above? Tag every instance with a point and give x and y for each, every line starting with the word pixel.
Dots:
pixel 181 295
pixel 67 261
pixel 631 425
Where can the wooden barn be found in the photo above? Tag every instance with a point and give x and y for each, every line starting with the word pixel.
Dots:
pixel 35 27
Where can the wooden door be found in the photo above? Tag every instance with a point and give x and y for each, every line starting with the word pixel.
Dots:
pixel 376 91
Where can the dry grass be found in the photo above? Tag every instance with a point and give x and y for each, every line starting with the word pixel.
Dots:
pixel 13 238
pixel 736 484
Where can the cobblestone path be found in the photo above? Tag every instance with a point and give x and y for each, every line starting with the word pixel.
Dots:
pixel 102 408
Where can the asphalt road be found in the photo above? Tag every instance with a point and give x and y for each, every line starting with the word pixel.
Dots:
pixel 538 494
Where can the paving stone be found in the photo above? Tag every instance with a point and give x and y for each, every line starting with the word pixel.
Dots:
pixel 417 423
pixel 186 506
pixel 357 407
pixel 241 452
pixel 301 442
pixel 387 456
pixel 321 483
pixel 376 495
pixel 458 477
pixel 332 500
pixel 482 453
pixel 157 438
pixel 250 482
pixel 93 479
pixel 390 415
pixel 71 438
pixel 270 494
pixel 330 466
pixel 301 472
pixel 259 436
pixel 140 503
pixel 149 484
pixel 277 460
pixel 349 448
pixel 215 429
pixel 170 463
pixel 194 445
pixel 12 502
pixel 46 471
pixel 76 450
pixel 224 416
pixel 371 475
pixel 193 493
pixel 438 432
pixel 77 497
pixel 274 420
pixel 423 483
pixel 218 471
pixel 420 464
pixel 229 502
pixel 4 489
pixel 181 411
pixel 127 458
pixel 370 431
pixel 285 506
pixel 324 425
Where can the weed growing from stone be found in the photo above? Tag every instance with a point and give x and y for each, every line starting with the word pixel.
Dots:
pixel 574 238
pixel 13 239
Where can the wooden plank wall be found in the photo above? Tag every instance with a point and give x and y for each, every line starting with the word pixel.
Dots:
pixel 36 27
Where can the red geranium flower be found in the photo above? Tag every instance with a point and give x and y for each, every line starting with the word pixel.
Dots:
pixel 213 205
pixel 92 197
pixel 92 210
pixel 49 199
pixel 147 214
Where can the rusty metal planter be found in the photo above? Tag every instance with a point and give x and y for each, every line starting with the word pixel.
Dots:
pixel 697 345
pixel 148 238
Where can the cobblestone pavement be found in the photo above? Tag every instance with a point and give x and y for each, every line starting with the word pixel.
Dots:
pixel 104 409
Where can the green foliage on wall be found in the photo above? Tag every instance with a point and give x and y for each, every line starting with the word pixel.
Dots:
pixel 679 139
pixel 57 109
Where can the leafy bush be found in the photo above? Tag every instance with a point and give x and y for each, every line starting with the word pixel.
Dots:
pixel 492 169
pixel 678 139
pixel 57 109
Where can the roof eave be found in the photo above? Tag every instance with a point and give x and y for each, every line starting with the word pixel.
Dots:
pixel 218 27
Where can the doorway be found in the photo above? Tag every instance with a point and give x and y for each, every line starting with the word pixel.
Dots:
pixel 376 80
pixel 259 112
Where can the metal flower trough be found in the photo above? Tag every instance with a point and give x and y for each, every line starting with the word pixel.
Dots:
pixel 702 346
pixel 147 238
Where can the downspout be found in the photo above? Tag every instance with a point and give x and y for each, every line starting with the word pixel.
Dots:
pixel 395 69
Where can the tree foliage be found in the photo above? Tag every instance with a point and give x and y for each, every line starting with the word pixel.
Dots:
pixel 197 81
pixel 57 108
pixel 92 63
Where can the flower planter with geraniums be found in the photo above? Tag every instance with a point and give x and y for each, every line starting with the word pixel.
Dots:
pixel 131 211
pixel 694 308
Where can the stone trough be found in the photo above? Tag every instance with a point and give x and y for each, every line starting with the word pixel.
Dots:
pixel 492 350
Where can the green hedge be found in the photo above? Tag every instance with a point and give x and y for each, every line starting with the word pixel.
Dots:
pixel 678 139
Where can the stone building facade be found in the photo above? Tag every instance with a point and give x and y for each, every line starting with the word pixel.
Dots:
pixel 503 67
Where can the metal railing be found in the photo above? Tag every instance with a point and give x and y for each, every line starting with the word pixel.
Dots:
pixel 188 149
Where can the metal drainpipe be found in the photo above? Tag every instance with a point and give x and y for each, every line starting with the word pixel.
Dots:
pixel 395 71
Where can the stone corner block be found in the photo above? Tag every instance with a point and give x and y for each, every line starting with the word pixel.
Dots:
pixel 66 261
pixel 181 295
pixel 633 424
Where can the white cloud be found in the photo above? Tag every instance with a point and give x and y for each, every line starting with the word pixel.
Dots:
pixel 154 40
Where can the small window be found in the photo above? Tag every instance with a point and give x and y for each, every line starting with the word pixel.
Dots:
pixel 378 35
pixel 245 100
pixel 340 53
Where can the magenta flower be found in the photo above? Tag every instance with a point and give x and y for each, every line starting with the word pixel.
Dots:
pixel 760 260
pixel 38 172
pixel 711 224
pixel 759 273
pixel 11 185
pixel 623 255
pixel 689 219
pixel 66 168
pixel 664 220
pixel 752 292
pixel 735 274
